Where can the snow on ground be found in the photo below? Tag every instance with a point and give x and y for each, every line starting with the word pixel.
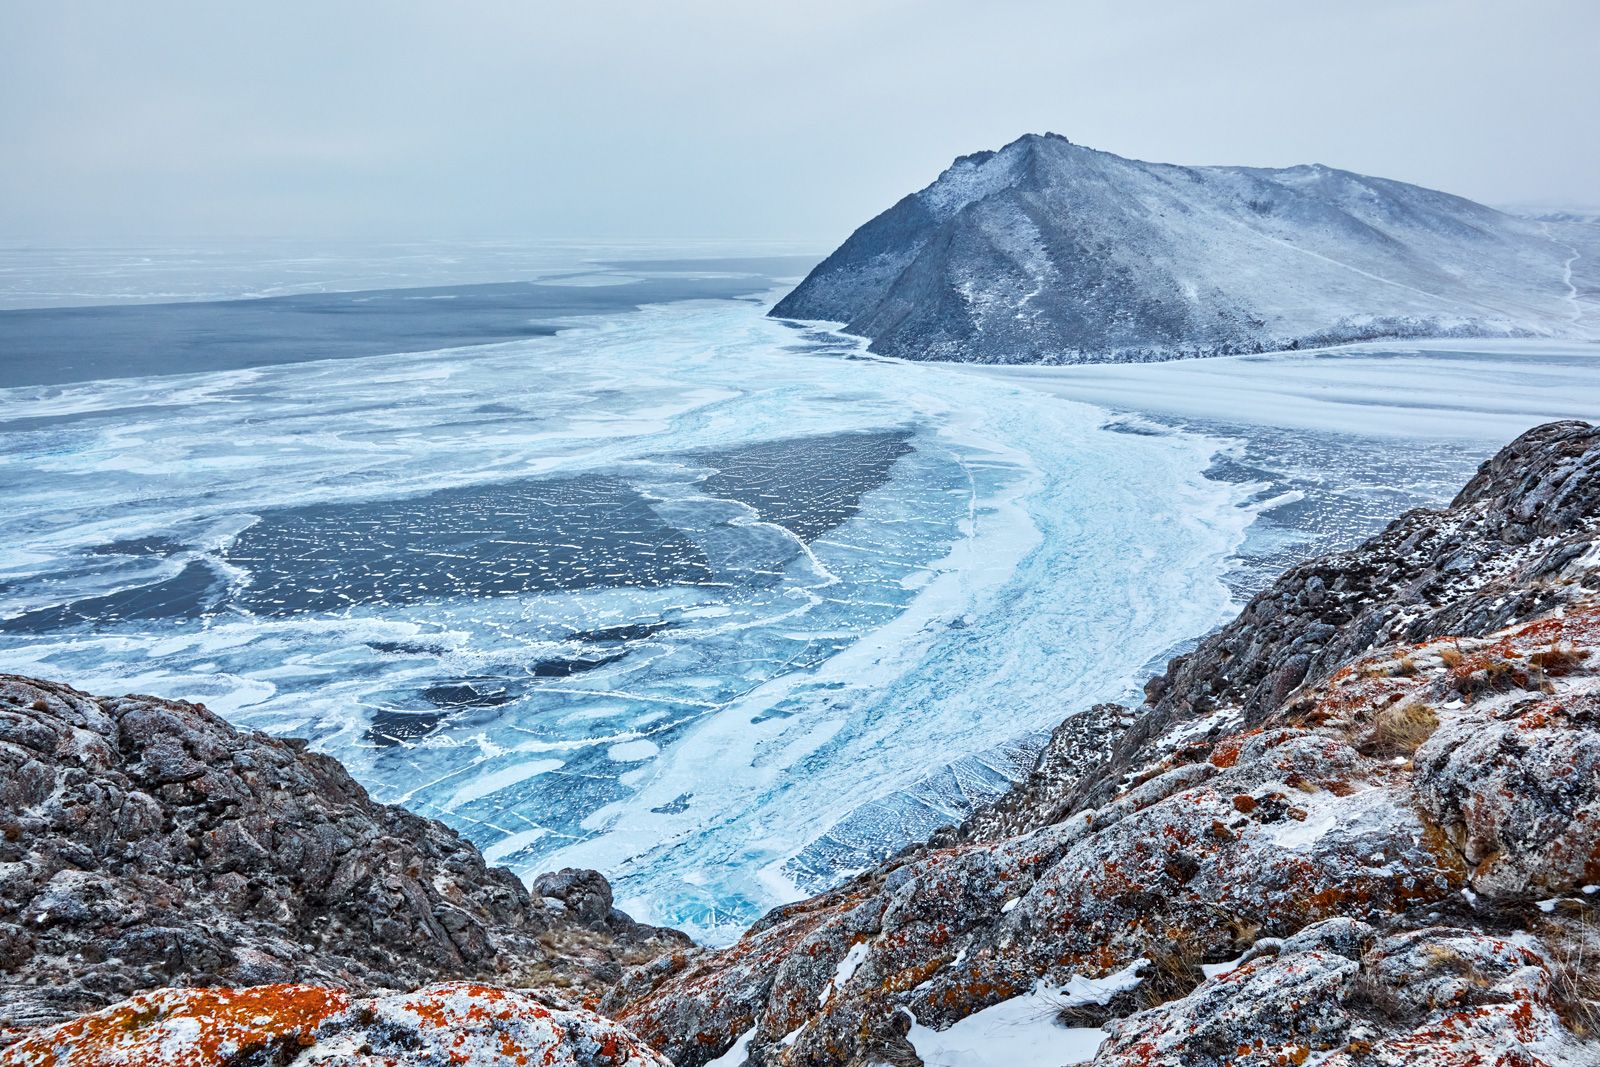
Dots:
pixel 1023 1031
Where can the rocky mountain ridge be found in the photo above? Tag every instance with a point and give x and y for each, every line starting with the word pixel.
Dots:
pixel 1047 251
pixel 1358 826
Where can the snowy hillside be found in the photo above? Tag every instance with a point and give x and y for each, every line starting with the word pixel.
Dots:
pixel 1046 251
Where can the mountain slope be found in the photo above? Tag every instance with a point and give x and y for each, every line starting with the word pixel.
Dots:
pixel 1358 826
pixel 1046 251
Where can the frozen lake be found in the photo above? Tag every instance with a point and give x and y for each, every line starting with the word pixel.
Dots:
pixel 712 603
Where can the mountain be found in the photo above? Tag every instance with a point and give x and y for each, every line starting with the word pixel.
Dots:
pixel 1047 251
pixel 1358 826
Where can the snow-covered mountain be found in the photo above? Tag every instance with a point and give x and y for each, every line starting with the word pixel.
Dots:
pixel 1046 251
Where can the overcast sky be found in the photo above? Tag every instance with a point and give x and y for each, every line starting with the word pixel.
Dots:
pixel 757 118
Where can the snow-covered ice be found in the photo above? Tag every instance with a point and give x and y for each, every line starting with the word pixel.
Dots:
pixel 1486 391
pixel 670 594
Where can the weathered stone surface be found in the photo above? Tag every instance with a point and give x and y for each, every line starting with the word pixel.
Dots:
pixel 452 1023
pixel 146 843
pixel 1436 996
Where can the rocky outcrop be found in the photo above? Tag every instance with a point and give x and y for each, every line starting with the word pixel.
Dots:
pixel 146 843
pixel 1439 996
pixel 1511 545
pixel 1047 251
pixel 1373 801
pixel 452 1023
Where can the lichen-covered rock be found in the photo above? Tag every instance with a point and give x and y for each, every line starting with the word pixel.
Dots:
pixel 1263 1012
pixel 1512 777
pixel 452 1023
pixel 147 842
pixel 1437 996
pixel 1387 740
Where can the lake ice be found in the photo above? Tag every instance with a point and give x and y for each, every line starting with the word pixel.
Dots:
pixel 709 602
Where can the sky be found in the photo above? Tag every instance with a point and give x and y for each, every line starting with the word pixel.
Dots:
pixel 759 119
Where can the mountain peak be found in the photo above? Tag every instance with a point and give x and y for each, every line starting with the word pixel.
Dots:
pixel 1048 251
pixel 1037 138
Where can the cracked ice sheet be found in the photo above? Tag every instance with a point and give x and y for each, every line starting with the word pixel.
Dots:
pixel 904 566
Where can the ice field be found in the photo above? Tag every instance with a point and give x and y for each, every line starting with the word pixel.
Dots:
pixel 710 602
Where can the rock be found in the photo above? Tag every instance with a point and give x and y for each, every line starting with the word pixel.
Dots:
pixel 1436 996
pixel 585 894
pixel 1513 783
pixel 1263 1012
pixel 456 1023
pixel 146 843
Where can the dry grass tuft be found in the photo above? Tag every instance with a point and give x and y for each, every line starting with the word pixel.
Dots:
pixel 1574 949
pixel 1558 659
pixel 1174 972
pixel 1399 730
pixel 1489 676
pixel 1370 995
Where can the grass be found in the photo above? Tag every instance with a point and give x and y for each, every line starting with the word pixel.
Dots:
pixel 1558 659
pixel 1399 730
pixel 1174 972
pixel 1493 676
pixel 1574 945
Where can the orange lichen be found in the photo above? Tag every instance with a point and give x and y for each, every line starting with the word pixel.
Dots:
pixel 456 1023
pixel 185 1028
pixel 1226 752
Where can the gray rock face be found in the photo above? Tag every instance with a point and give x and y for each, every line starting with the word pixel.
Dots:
pixel 147 843
pixel 1047 251
pixel 1432 996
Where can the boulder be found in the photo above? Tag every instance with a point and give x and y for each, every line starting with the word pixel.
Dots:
pixel 450 1023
